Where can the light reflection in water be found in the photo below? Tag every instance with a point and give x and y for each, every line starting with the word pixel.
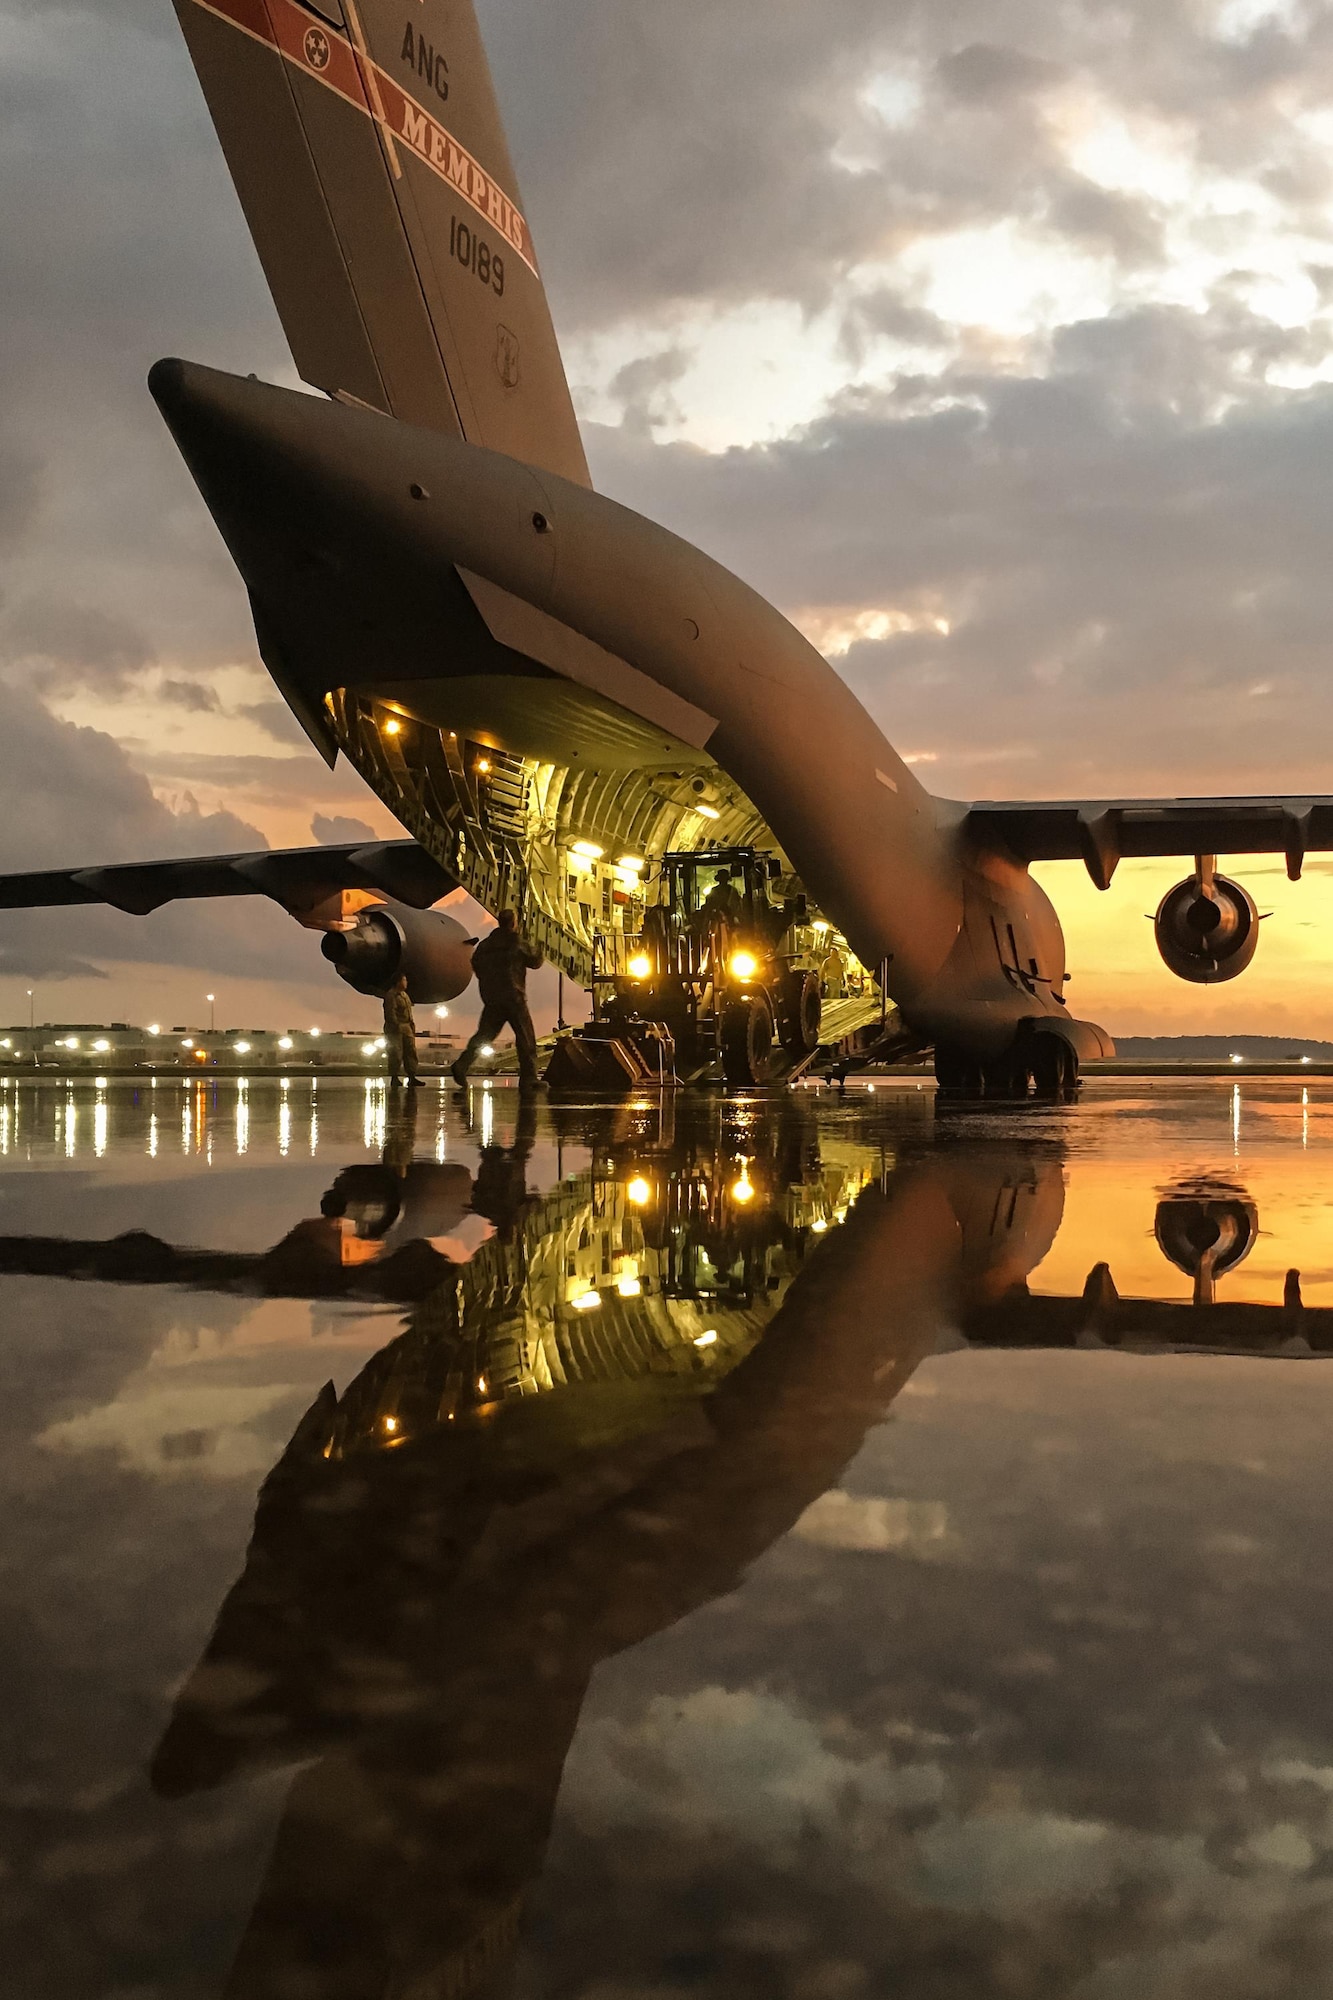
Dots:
pixel 100 1124
pixel 242 1116
pixel 71 1126
pixel 152 1135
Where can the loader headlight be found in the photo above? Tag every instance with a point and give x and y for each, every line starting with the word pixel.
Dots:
pixel 744 965
pixel 640 966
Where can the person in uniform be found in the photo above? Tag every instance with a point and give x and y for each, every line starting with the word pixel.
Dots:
pixel 400 1032
pixel 502 963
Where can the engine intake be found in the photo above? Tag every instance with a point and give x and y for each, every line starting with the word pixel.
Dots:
pixel 392 938
pixel 1207 927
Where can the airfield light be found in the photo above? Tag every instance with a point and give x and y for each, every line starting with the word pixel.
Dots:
pixel 586 1301
pixel 187 1042
pixel 315 1033
pixel 640 966
pixel 744 965
pixel 241 1048
pixel 628 1286
pixel 1304 1059
pixel 708 1338
pixel 367 1048
pixel 487 1050
pixel 380 1042
pixel 708 812
pixel 102 1045
pixel 154 1027
pixel 6 1043
pixel 587 850
pixel 201 1055
pixel 1237 1059
pixel 100 1081
pixel 442 1013
pixel 284 1041
pixel 70 1042
pixel 639 1192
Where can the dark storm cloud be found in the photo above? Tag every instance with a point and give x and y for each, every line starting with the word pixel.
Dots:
pixel 338 829
pixel 699 152
pixel 1103 546
pixel 71 798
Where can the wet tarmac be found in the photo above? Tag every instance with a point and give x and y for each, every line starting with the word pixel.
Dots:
pixel 817 1547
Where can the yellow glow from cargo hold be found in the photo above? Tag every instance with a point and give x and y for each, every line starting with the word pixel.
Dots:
pixel 586 1301
pixel 631 864
pixel 392 726
pixel 639 1192
pixel 587 850
pixel 744 965
pixel 640 966
pixel 743 1189
pixel 820 1224
pixel 708 812
pixel 707 1339
pixel 483 765
pixel 391 1423
pixel 628 1286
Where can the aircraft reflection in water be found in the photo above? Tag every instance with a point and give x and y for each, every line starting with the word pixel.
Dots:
pixel 607 1402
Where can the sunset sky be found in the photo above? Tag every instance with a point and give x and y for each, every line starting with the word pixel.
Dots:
pixel 993 342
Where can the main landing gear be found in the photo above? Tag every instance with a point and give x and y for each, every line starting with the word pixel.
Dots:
pixel 1042 1066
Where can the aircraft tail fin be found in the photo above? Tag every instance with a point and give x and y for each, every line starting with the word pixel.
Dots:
pixel 366 146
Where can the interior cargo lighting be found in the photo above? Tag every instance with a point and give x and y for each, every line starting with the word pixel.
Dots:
pixel 483 765
pixel 392 726
pixel 586 1301
pixel 708 1338
pixel 631 864
pixel 820 1224
pixel 744 965
pixel 708 812
pixel 588 850
pixel 391 1423
pixel 639 1192
pixel 743 1189
pixel 628 1286
pixel 241 1048
pixel 640 966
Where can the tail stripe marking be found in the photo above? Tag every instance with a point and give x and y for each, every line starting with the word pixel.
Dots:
pixel 324 55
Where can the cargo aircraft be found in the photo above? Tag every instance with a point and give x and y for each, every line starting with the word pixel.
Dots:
pixel 569 709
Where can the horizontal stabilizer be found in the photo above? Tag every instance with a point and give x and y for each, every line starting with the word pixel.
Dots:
pixel 296 877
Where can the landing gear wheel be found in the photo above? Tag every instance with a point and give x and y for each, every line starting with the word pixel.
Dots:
pixel 801 1011
pixel 957 1074
pixel 1054 1067
pixel 747 1040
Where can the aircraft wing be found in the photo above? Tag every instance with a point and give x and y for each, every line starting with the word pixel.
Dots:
pixel 296 877
pixel 1103 832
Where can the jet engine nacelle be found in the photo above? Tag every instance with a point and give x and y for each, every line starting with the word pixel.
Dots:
pixel 387 939
pixel 1207 928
